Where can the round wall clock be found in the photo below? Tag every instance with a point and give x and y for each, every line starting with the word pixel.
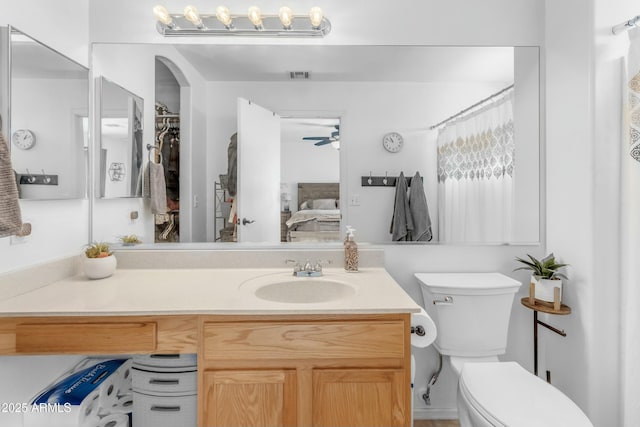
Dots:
pixel 23 139
pixel 392 142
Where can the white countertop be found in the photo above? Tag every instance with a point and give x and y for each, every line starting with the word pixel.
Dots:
pixel 202 291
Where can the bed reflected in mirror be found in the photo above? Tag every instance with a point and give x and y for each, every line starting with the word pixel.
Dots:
pixel 310 179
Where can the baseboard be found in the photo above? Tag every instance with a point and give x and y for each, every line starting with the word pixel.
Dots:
pixel 435 414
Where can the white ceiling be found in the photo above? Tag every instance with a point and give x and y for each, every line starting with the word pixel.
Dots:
pixel 352 63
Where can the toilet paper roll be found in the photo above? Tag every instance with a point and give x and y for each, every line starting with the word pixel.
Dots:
pixel 423 322
pixel 123 405
pixel 113 420
pixel 115 385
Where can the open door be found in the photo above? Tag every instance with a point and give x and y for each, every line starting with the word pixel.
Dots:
pixel 258 196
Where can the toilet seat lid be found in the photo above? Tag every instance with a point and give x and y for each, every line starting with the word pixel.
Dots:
pixel 508 395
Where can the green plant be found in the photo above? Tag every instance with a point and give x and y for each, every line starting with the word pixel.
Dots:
pixel 97 250
pixel 131 239
pixel 546 268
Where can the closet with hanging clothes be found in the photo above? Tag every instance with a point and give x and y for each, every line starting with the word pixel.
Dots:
pixel 167 143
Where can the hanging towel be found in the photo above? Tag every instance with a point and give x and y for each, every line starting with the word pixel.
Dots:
pixel 155 187
pixel 401 223
pixel 419 211
pixel 10 217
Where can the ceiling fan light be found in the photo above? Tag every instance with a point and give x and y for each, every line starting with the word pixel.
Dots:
pixel 224 16
pixel 255 16
pixel 192 15
pixel 286 17
pixel 162 15
pixel 315 16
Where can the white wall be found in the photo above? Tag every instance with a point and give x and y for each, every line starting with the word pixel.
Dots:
pixel 584 70
pixel 60 228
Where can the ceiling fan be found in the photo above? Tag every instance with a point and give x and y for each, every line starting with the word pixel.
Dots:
pixel 323 140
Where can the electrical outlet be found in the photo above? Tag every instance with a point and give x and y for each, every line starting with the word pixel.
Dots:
pixel 355 200
pixel 196 201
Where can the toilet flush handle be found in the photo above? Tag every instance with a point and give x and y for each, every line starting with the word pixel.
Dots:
pixel 447 300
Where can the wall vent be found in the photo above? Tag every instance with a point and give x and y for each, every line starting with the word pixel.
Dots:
pixel 303 75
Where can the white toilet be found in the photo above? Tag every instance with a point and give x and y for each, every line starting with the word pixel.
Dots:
pixel 471 312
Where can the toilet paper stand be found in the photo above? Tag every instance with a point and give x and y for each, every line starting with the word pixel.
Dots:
pixel 540 306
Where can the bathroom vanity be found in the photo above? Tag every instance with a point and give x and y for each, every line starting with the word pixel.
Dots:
pixel 260 362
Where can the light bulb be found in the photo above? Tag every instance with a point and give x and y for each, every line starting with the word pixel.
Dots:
pixel 224 16
pixel 162 15
pixel 191 13
pixel 286 16
pixel 315 15
pixel 255 16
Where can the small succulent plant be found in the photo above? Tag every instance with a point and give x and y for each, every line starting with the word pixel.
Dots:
pixel 130 239
pixel 98 250
pixel 546 268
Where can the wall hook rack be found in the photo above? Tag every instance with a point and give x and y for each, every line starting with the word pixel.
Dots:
pixel 37 178
pixel 383 181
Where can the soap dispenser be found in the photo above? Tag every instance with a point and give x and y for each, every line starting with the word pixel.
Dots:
pixel 350 251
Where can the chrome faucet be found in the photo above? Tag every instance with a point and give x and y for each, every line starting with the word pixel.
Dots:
pixel 307 269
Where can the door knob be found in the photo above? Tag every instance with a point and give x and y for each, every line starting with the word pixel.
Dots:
pixel 245 221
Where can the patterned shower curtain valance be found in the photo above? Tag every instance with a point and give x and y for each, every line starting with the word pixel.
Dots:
pixel 488 154
pixel 480 145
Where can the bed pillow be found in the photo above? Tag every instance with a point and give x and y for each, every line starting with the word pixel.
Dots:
pixel 319 204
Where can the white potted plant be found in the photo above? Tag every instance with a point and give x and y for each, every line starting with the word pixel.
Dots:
pixel 98 261
pixel 544 276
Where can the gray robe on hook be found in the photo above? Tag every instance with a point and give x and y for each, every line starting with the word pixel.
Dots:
pixel 401 223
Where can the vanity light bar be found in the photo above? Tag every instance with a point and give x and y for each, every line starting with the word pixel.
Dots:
pixel 223 23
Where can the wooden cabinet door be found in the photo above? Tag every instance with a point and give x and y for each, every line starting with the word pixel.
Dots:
pixel 359 397
pixel 250 398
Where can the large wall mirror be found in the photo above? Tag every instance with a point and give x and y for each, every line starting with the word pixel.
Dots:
pixel 468 119
pixel 49 125
pixel 121 151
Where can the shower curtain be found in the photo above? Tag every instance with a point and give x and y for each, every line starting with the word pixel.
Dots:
pixel 475 174
pixel 630 232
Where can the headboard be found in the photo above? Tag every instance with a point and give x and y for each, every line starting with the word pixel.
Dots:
pixel 317 190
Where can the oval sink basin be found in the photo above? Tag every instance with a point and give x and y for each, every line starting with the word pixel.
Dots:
pixel 304 291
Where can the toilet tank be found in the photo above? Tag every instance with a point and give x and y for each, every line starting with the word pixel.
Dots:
pixel 470 310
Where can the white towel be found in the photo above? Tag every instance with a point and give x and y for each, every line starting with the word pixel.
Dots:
pixel 419 211
pixel 10 216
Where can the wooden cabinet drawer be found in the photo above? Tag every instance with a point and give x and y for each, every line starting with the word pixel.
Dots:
pixel 308 340
pixel 85 338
